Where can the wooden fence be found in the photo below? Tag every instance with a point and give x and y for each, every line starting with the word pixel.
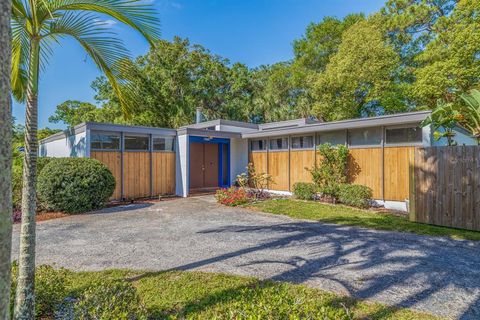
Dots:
pixel 445 187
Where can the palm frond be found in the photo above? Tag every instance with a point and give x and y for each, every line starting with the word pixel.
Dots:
pixel 108 52
pixel 20 25
pixel 134 13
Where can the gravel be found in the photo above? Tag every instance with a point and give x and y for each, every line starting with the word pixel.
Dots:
pixel 435 275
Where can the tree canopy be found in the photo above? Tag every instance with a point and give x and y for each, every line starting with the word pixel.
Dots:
pixel 410 55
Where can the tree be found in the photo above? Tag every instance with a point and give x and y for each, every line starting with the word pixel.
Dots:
pixel 470 114
pixel 450 62
pixel 73 112
pixel 444 119
pixel 360 79
pixel 5 160
pixel 36 25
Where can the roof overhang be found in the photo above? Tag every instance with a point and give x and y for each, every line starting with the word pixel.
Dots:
pixel 209 133
pixel 389 120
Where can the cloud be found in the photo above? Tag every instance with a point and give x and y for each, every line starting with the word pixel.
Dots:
pixel 108 23
pixel 168 4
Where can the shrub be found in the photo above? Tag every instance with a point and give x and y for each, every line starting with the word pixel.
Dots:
pixel 17 179
pixel 332 170
pixel 110 299
pixel 75 185
pixel 50 289
pixel 304 191
pixel 232 196
pixel 355 195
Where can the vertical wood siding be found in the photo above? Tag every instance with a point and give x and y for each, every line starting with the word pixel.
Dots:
pixel 397 161
pixel 300 161
pixel 446 187
pixel 259 161
pixel 112 159
pixel 365 168
pixel 278 163
pixel 136 174
pixel 163 167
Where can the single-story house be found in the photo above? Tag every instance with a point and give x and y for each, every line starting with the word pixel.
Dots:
pixel 149 161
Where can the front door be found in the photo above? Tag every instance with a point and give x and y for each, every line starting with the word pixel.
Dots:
pixel 203 165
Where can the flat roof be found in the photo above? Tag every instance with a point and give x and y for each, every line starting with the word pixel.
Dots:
pixel 387 120
pixel 221 122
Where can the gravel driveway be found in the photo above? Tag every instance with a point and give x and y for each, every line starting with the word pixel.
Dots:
pixel 435 275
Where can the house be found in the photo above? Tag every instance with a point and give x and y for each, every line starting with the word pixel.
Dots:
pixel 148 161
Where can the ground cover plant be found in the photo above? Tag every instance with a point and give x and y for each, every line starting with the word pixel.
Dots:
pixel 124 294
pixel 340 214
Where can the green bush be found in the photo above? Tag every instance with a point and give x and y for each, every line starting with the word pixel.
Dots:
pixel 355 195
pixel 75 185
pixel 17 181
pixel 50 289
pixel 110 299
pixel 304 191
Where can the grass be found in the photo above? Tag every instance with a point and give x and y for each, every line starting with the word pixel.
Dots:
pixel 355 217
pixel 198 295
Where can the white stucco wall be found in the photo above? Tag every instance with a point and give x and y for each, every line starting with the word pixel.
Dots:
pixel 181 166
pixel 69 146
pixel 238 157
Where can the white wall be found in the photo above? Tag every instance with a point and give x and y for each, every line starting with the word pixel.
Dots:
pixel 233 129
pixel 181 166
pixel 460 137
pixel 69 146
pixel 238 157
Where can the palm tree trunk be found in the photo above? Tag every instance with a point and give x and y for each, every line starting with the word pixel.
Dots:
pixel 5 160
pixel 25 295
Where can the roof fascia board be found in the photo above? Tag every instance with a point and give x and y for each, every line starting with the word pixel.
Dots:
pixel 403 118
pixel 130 129
pixel 65 133
pixel 210 133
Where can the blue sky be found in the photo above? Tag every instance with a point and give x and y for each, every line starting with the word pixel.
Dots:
pixel 253 32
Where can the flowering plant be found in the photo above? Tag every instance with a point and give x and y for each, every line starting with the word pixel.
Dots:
pixel 232 196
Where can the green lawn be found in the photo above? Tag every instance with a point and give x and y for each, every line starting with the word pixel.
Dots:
pixel 197 295
pixel 363 218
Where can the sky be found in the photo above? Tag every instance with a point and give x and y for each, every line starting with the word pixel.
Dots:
pixel 253 32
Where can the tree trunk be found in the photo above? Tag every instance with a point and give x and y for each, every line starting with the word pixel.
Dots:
pixel 25 295
pixel 5 159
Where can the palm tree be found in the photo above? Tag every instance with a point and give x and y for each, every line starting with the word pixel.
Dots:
pixel 471 113
pixel 5 160
pixel 36 25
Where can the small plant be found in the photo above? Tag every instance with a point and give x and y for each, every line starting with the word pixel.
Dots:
pixel 304 191
pixel 75 185
pixel 355 195
pixel 332 170
pixel 50 289
pixel 255 182
pixel 232 196
pixel 110 299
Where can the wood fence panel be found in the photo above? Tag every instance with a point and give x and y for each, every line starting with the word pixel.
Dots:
pixel 365 167
pixel 300 161
pixel 259 161
pixel 112 159
pixel 163 173
pixel 446 187
pixel 397 161
pixel 278 163
pixel 136 167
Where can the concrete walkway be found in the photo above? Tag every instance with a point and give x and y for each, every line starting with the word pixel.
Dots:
pixel 435 275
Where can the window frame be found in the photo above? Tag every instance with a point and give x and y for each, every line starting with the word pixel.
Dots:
pixel 380 144
pixel 112 133
pixel 279 150
pixel 148 136
pixel 153 136
pixel 263 150
pixel 402 144
pixel 312 135
pixel 343 131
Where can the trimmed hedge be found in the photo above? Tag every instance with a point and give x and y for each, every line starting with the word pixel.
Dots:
pixel 75 185
pixel 304 191
pixel 355 195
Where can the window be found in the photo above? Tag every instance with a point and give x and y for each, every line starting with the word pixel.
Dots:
pixel 305 142
pixel 279 144
pixel 403 135
pixel 136 143
pixel 104 141
pixel 163 144
pixel 333 137
pixel 257 145
pixel 365 137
